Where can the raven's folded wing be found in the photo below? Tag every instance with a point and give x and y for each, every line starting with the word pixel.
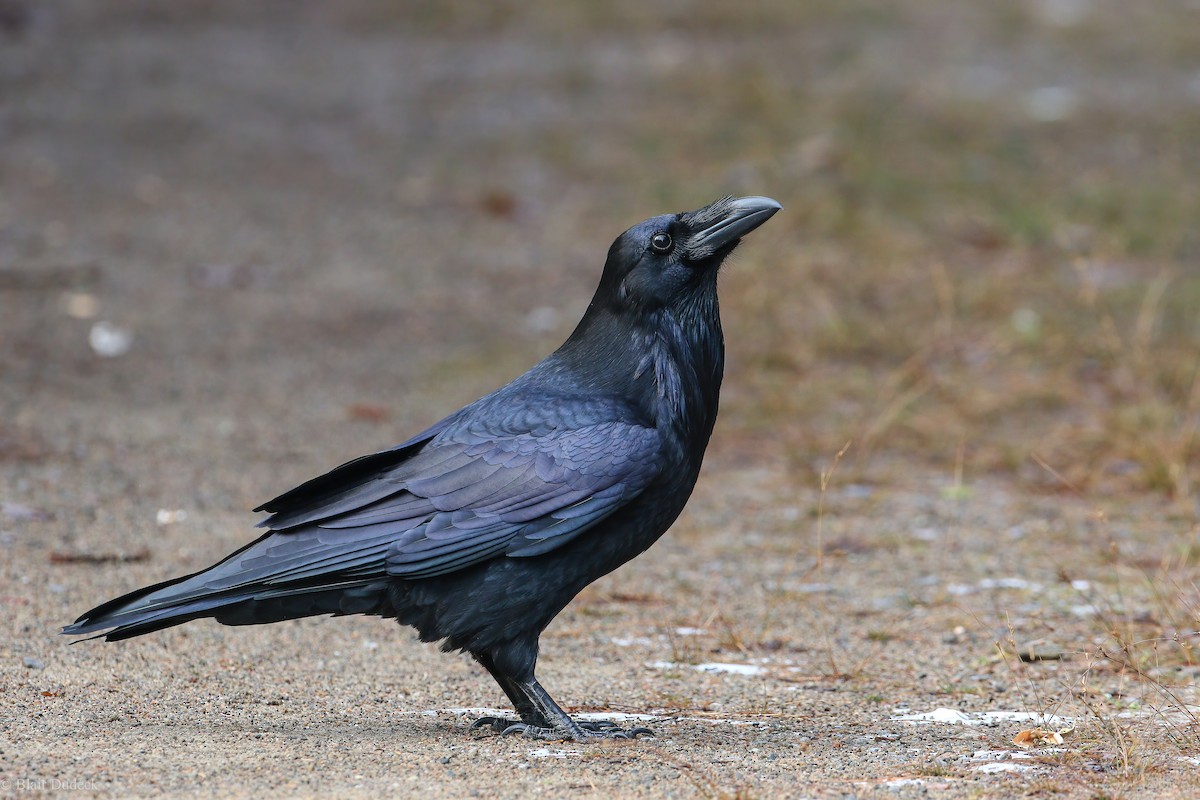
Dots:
pixel 428 507
pixel 450 503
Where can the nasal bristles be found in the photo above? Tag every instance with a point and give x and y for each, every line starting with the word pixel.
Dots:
pixel 709 215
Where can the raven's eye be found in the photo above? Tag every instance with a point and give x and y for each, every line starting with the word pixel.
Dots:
pixel 661 243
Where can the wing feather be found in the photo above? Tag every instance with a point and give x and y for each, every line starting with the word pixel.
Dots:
pixel 470 492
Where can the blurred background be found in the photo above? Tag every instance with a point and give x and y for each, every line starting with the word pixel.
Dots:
pixel 241 242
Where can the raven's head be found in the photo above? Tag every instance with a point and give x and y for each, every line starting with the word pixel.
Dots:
pixel 665 260
pixel 652 334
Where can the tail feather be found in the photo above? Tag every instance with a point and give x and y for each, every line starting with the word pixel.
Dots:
pixel 198 595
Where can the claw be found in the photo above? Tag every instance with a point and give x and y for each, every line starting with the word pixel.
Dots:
pixel 498 724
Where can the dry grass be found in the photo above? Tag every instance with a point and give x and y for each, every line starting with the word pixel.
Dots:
pixel 976 291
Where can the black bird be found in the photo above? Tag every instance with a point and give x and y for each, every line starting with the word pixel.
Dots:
pixel 480 530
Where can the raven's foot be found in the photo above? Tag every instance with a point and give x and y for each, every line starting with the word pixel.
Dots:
pixel 578 731
pixel 541 717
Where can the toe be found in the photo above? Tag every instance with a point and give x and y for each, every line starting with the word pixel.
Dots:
pixel 499 724
pixel 598 725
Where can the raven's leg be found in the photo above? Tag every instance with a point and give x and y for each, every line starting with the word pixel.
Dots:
pixel 561 725
pixel 527 711
pixel 541 718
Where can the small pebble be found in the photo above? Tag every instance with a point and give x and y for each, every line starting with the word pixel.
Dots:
pixel 109 340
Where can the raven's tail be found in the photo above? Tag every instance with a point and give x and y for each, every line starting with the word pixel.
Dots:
pixel 237 592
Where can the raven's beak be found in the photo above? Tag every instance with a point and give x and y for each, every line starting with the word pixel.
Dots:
pixel 731 220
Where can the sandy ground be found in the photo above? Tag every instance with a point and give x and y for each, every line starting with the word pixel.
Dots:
pixel 300 236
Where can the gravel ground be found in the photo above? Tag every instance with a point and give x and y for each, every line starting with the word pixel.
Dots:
pixel 239 245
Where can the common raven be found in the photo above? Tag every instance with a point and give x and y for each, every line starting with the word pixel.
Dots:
pixel 479 531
